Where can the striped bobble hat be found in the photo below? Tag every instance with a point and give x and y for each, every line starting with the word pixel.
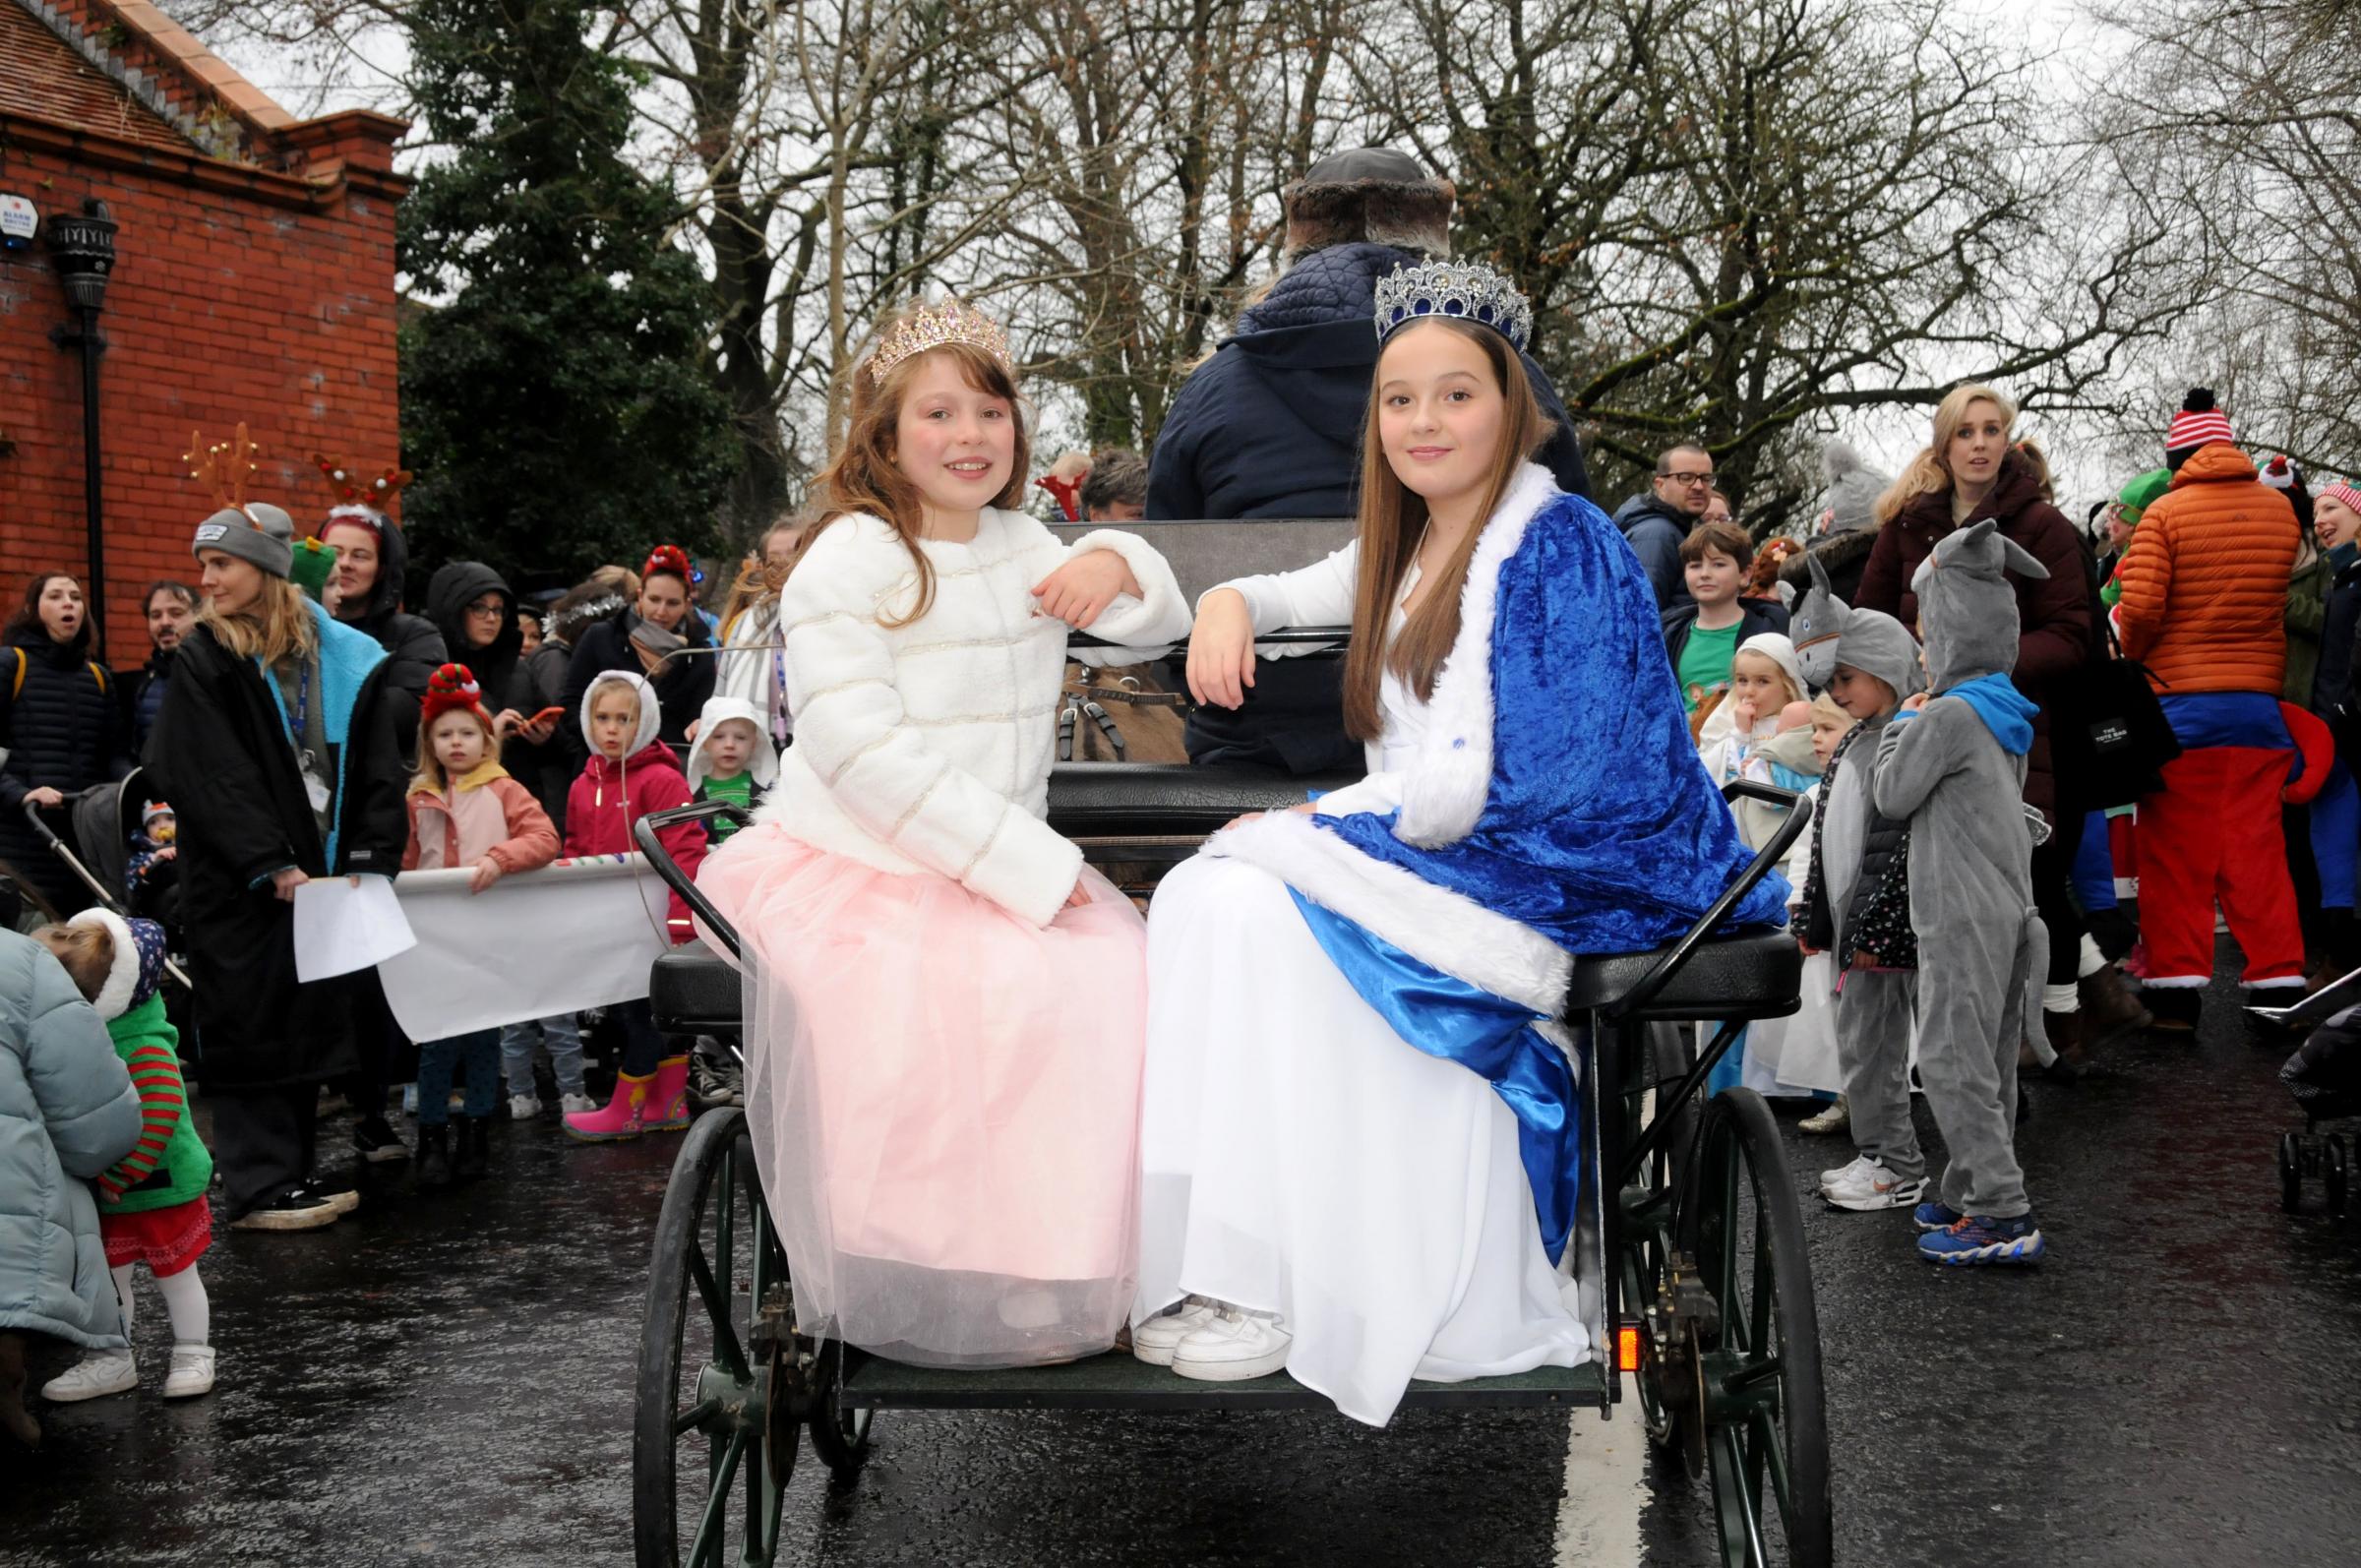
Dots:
pixel 2344 493
pixel 2200 421
pixel 453 687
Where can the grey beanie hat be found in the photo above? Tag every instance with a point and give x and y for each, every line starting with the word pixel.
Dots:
pixel 259 532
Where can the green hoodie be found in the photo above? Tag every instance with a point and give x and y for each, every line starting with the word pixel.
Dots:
pixel 170 1164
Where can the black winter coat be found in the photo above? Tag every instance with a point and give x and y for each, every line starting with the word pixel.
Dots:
pixel 144 694
pixel 62 728
pixel 415 646
pixel 1755 617
pixel 221 754
pixel 499 668
pixel 1270 426
pixel 682 688
pixel 1655 531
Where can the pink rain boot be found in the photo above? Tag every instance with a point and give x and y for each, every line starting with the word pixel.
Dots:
pixel 668 1104
pixel 627 1113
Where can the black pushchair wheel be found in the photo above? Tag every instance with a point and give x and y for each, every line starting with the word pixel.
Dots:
pixel 2336 1169
pixel 2291 1173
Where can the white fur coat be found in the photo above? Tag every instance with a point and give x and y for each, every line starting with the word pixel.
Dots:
pixel 927 747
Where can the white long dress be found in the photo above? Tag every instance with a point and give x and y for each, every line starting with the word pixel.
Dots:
pixel 1300 1158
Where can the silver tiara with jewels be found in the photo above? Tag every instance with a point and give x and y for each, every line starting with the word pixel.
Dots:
pixel 1467 290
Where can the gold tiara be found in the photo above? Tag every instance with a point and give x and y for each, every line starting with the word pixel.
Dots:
pixel 931 327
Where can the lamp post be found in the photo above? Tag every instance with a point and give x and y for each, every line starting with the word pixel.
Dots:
pixel 81 247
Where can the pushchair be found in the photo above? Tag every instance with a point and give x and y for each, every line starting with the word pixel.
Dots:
pixel 2324 1078
pixel 98 858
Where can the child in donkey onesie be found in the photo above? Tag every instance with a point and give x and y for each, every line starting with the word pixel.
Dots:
pixel 1954 770
pixel 1855 897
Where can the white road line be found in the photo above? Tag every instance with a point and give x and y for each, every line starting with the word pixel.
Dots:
pixel 1598 1514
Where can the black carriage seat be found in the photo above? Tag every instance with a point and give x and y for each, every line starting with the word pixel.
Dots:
pixel 694 990
pixel 1130 799
pixel 1755 972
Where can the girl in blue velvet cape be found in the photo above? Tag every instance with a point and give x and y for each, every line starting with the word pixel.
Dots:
pixel 1359 1139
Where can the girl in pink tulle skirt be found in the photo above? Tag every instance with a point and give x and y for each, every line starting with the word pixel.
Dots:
pixel 946 1008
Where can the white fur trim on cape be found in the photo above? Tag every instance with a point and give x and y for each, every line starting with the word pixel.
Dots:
pixel 1429 922
pixel 123 971
pixel 1452 774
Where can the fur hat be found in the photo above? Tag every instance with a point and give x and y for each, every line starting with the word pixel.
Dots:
pixel 1850 499
pixel 452 689
pixel 1372 194
pixel 137 968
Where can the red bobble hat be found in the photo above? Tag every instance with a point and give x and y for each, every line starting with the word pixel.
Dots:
pixel 2200 421
pixel 2346 493
pixel 451 689
pixel 669 558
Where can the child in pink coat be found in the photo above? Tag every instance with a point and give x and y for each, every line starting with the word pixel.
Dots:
pixel 630 773
pixel 465 811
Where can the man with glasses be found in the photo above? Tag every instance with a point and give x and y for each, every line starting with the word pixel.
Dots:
pixel 1655 521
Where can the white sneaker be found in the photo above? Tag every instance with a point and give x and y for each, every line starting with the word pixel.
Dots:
pixel 1155 1341
pixel 524 1107
pixel 1234 1347
pixel 98 1375
pixel 579 1105
pixel 1836 1119
pixel 1847 1172
pixel 1873 1187
pixel 192 1371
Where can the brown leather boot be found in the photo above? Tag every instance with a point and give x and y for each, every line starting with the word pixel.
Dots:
pixel 2110 1010
pixel 2064 1031
pixel 14 1420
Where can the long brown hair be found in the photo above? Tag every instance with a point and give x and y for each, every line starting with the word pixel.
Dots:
pixel 1393 520
pixel 275 628
pixel 1929 473
pixel 863 476
pixel 757 580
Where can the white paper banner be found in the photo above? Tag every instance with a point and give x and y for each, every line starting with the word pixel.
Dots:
pixel 344 924
pixel 576 934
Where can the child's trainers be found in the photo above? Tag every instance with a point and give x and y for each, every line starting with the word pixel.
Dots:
pixel 1976 1239
pixel 1867 1185
pixel 1935 1215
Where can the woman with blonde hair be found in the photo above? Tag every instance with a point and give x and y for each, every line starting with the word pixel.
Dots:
pixel 274 744
pixel 1972 469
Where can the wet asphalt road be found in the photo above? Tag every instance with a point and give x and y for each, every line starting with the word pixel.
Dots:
pixel 448 1379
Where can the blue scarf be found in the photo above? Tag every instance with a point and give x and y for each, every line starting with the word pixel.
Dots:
pixel 2006 711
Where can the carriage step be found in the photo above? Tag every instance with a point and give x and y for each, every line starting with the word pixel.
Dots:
pixel 1121 1381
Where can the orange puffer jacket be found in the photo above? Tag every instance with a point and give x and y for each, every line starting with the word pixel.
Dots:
pixel 2205 581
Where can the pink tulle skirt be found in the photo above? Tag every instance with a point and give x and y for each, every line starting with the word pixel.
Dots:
pixel 944 1102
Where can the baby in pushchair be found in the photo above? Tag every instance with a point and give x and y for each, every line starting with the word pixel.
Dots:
pixel 151 877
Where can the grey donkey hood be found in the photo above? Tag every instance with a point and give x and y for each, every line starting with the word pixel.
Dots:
pixel 1967 607
pixel 1827 633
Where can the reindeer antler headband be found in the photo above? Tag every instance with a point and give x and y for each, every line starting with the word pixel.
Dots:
pixel 223 466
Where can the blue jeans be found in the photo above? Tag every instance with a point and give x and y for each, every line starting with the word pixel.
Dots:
pixel 559 1037
pixel 2094 874
pixel 2336 836
pixel 479 1055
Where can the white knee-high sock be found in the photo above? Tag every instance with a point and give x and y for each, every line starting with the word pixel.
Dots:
pixel 122 1277
pixel 2093 960
pixel 191 1310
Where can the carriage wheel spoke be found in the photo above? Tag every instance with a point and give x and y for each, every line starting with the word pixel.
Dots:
pixel 1742 1498
pixel 763 1503
pixel 709 1543
pixel 695 1415
pixel 1765 1289
pixel 717 1308
pixel 724 1225
pixel 1773 1449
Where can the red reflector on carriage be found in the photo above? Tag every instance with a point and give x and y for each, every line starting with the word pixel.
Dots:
pixel 1627 1348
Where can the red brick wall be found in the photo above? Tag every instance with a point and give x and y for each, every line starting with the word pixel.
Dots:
pixel 223 306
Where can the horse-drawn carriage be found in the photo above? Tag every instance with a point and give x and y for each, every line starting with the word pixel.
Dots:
pixel 1689 1252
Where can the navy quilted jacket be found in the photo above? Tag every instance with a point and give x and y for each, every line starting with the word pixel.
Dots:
pixel 1270 426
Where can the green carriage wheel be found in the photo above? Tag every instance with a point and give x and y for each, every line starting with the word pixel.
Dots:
pixel 2291 1172
pixel 839 1435
pixel 710 1463
pixel 1766 1436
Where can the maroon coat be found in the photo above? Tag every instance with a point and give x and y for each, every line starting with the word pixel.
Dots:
pixel 2058 632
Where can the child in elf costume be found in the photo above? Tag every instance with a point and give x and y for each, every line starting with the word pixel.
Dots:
pixel 732 761
pixel 465 811
pixel 152 1206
